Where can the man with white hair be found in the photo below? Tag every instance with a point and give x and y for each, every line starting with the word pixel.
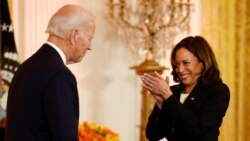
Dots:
pixel 43 100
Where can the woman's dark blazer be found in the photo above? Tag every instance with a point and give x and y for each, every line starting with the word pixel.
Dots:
pixel 197 119
pixel 43 101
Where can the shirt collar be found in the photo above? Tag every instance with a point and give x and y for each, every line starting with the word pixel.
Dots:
pixel 58 50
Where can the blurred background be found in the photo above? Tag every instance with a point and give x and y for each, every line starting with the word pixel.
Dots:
pixel 110 92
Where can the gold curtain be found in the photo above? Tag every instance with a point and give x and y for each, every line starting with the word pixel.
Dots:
pixel 10 8
pixel 226 25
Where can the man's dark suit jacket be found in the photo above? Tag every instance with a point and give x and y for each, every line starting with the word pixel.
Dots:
pixel 197 119
pixel 43 100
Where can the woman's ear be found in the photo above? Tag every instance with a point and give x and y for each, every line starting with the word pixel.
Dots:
pixel 202 66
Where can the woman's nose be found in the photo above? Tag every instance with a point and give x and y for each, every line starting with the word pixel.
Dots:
pixel 180 68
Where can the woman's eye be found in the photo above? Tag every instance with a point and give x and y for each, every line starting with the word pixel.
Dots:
pixel 176 64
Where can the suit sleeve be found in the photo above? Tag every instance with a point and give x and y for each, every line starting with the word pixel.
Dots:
pixel 158 126
pixel 61 106
pixel 208 116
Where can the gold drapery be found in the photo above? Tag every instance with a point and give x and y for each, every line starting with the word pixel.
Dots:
pixel 226 25
pixel 10 8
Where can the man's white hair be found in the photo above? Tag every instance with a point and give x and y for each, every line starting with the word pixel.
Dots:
pixel 68 17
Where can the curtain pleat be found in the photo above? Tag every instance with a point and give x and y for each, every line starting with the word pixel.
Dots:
pixel 226 25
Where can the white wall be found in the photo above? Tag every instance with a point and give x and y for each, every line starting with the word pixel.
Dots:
pixel 109 91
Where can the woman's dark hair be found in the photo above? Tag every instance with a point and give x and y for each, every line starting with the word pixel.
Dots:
pixel 202 50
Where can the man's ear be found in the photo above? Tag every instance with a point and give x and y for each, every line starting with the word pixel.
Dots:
pixel 73 36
